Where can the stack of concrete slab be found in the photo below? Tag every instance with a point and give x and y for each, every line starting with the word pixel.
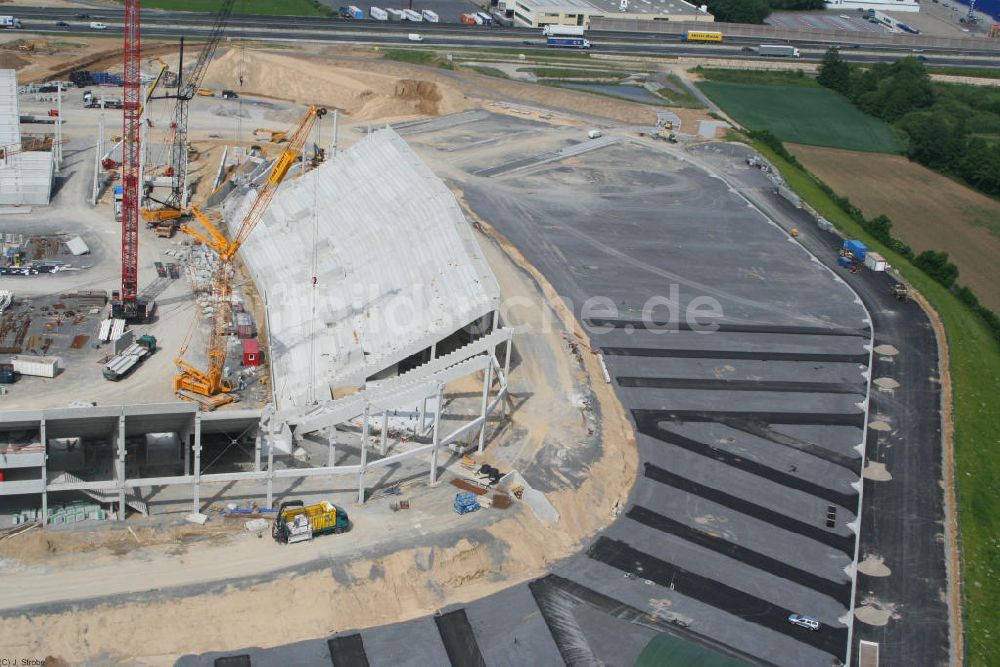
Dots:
pixel 363 261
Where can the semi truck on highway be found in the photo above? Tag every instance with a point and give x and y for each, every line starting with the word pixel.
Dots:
pixel 701 36
pixel 563 30
pixel 779 50
pixel 10 22
pixel 568 42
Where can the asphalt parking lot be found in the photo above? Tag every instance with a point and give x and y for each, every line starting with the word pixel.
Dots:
pixel 825 21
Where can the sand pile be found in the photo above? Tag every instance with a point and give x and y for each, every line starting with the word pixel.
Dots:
pixel 362 95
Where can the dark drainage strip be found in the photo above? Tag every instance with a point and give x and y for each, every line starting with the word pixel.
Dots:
pixel 347 651
pixel 620 555
pixel 840 542
pixel 649 422
pixel 855 419
pixel 459 639
pixel 735 354
pixel 741 385
pixel 648 425
pixel 728 328
pixel 839 591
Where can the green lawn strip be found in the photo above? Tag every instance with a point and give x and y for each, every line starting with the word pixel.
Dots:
pixel 978 72
pixel 416 57
pixel 975 370
pixel 561 83
pixel 758 77
pixel 804 115
pixel 488 71
pixel 678 94
pixel 572 73
pixel 270 7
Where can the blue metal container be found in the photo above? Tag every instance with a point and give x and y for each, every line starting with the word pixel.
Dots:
pixel 857 248
pixel 844 262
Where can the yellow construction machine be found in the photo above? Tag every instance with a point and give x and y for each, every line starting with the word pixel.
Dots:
pixel 209 387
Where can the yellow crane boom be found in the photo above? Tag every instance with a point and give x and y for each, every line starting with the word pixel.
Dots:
pixel 210 383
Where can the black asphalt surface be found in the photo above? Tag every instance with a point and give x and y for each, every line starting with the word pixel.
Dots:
pixel 742 510
pixel 902 519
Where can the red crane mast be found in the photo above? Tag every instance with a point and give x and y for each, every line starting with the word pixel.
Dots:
pixel 127 304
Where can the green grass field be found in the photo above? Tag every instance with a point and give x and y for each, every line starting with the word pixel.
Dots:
pixel 803 115
pixel 272 7
pixel 975 371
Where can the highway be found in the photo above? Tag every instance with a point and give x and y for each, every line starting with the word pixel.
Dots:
pixel 157 23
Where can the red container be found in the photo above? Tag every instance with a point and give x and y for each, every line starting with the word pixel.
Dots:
pixel 3 476
pixel 251 352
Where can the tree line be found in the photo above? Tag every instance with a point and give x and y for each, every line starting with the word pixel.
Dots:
pixel 954 129
pixel 755 11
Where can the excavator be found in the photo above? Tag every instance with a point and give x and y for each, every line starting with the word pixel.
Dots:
pixel 209 387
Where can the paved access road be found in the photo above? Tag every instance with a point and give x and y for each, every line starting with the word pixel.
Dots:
pixel 903 517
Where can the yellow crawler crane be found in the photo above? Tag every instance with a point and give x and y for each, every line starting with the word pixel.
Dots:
pixel 208 386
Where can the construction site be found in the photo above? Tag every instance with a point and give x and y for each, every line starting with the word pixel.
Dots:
pixel 253 291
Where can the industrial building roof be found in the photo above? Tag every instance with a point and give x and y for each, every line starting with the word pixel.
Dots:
pixel 395 262
pixel 612 7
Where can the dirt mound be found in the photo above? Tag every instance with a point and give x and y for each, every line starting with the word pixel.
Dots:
pixel 363 95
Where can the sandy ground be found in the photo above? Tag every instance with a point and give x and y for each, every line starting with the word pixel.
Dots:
pixel 928 211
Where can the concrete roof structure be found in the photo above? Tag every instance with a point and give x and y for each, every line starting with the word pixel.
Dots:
pixel 535 13
pixel 25 178
pixel 396 268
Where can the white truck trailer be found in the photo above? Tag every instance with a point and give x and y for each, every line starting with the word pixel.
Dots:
pixel 779 50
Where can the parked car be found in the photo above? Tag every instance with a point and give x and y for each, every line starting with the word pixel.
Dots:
pixel 807 622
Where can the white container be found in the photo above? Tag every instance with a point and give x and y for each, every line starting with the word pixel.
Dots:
pixel 429 16
pixel 378 14
pixel 395 14
pixel 595 134
pixel 875 261
pixel 411 15
pixel 45 367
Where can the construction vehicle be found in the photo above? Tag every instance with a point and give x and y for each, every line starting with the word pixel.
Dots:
pixel 661 134
pixel 297 522
pixel 121 364
pixel 277 136
pixel 900 291
pixel 206 92
pixel 208 387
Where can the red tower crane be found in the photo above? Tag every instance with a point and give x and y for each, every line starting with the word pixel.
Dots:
pixel 125 303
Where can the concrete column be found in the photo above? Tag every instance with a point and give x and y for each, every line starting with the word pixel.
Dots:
pixel 270 471
pixel 45 471
pixel 364 456
pixel 121 467
pixel 422 416
pixel 385 432
pixel 187 451
pixel 437 436
pixel 333 147
pixel 487 381
pixel 57 149
pixel 496 320
pixel 331 441
pixel 196 495
pixel 506 378
pixel 256 452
